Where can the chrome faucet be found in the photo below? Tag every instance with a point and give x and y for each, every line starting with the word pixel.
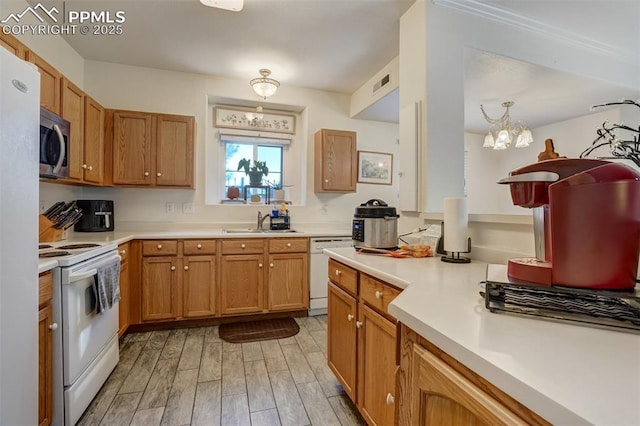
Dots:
pixel 261 220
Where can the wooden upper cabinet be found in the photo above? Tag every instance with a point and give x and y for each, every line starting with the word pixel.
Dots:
pixel 132 140
pixel 72 110
pixel 12 44
pixel 93 141
pixel 152 149
pixel 49 82
pixel 336 164
pixel 174 150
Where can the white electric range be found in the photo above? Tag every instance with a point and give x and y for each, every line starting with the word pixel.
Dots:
pixel 85 342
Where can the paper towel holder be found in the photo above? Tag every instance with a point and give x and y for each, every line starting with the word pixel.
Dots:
pixel 455 255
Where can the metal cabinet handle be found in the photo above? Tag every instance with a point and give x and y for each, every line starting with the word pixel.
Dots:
pixel 158 174
pixel 159 246
pixel 390 399
pixel 53 326
pixel 146 173
pixel 173 268
pixel 378 294
pixel 186 268
pixel 259 265
pixel 358 324
pixel 243 245
pixel 349 317
pixel 199 246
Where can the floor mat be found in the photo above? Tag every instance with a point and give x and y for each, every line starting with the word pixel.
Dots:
pixel 253 331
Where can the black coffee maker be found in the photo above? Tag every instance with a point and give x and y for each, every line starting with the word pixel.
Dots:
pixel 97 216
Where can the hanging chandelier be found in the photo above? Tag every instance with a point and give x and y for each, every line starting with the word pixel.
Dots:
pixel 264 86
pixel 502 131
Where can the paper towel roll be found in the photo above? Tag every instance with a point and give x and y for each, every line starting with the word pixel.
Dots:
pixel 456 225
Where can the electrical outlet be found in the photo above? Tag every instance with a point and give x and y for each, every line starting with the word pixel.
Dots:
pixel 170 208
pixel 188 208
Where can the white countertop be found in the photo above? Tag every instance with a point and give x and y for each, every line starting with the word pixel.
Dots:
pixel 568 374
pixel 120 237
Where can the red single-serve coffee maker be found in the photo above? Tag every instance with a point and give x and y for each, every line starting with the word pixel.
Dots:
pixel 586 220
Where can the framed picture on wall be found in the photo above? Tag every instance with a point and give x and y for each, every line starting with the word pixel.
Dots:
pixel 232 117
pixel 375 167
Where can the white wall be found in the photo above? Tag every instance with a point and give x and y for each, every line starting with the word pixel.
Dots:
pixel 144 89
pixel 449 32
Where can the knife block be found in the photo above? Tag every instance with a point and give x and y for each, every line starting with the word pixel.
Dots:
pixel 47 233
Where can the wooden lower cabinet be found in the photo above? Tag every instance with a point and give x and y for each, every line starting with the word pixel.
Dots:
pixel 288 282
pixel 435 389
pixel 159 288
pixel 376 367
pixel 341 332
pixel 125 290
pixel 198 286
pixel 46 328
pixel 242 284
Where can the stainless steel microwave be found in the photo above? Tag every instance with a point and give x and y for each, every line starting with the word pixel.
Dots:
pixel 54 145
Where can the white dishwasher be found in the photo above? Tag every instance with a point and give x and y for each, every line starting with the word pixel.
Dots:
pixel 318 271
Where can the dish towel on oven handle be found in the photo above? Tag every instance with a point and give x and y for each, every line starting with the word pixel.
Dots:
pixel 107 285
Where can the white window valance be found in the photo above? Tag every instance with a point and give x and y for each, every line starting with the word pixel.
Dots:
pixel 252 136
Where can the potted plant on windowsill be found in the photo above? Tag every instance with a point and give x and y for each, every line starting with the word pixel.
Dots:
pixel 255 171
pixel 278 192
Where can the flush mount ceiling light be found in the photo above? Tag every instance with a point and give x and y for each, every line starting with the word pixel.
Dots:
pixel 502 131
pixel 264 86
pixel 234 5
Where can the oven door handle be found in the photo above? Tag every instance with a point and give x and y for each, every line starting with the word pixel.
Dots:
pixel 63 149
pixel 82 275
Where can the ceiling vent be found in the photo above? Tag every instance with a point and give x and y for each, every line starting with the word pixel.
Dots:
pixel 380 84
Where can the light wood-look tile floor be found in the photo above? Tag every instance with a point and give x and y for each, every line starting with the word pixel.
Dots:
pixel 191 377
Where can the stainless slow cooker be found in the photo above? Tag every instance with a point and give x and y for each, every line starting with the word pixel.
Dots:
pixel 375 225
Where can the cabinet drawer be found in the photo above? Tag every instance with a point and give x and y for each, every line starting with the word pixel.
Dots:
pixel 254 246
pixel 343 276
pixel 45 288
pixel 123 251
pixel 288 245
pixel 193 247
pixel 159 248
pixel 376 294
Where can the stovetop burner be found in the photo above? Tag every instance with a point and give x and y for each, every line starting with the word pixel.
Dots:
pixel 78 246
pixel 54 253
pixel 44 246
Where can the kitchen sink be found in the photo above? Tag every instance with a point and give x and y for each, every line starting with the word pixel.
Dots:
pixel 256 231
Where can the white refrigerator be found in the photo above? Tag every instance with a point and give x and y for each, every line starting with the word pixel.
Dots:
pixel 19 158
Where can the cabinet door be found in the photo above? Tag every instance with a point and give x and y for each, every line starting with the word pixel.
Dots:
pixel 242 284
pixel 132 140
pixel 376 367
pixel 441 395
pixel 72 110
pixel 12 44
pixel 125 298
pixel 93 141
pixel 336 161
pixel 198 284
pixel 159 288
pixel 49 83
pixel 45 365
pixel 288 282
pixel 174 150
pixel 341 332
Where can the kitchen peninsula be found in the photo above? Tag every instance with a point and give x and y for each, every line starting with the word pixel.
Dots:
pixel 564 373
